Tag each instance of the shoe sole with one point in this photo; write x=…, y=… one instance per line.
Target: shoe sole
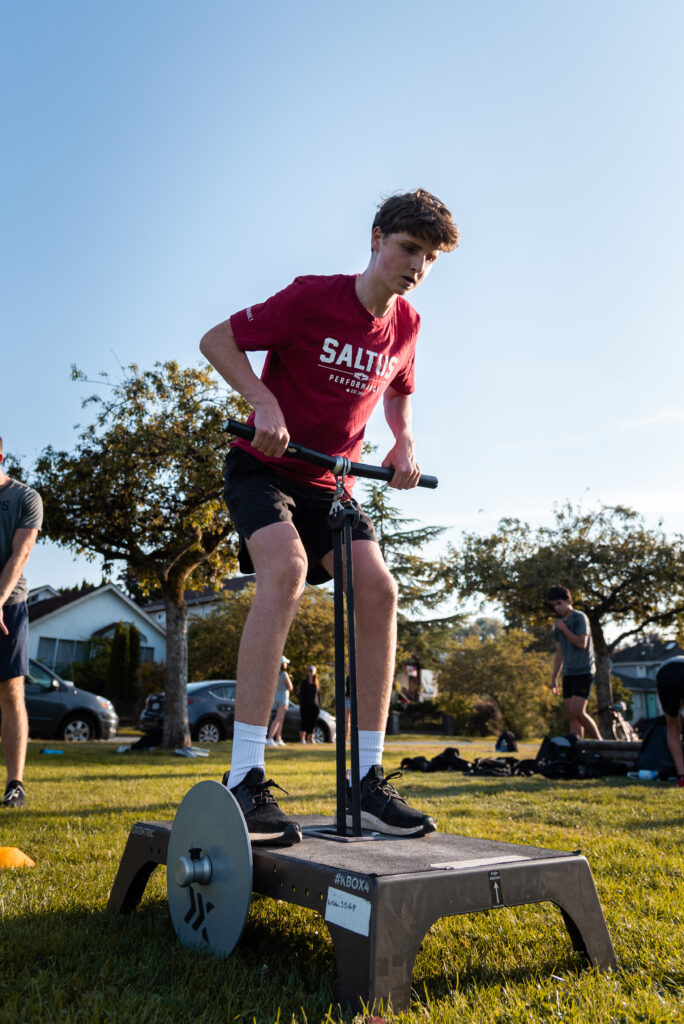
x=370, y=821
x=289, y=837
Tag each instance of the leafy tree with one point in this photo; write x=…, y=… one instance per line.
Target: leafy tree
x=503, y=670
x=421, y=586
x=119, y=661
x=12, y=466
x=618, y=571
x=151, y=679
x=486, y=627
x=401, y=543
x=143, y=487
x=124, y=661
x=214, y=639
x=81, y=588
x=311, y=641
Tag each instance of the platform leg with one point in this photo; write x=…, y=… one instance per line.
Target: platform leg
x=145, y=849
x=371, y=973
x=586, y=924
x=377, y=969
x=353, y=961
x=574, y=933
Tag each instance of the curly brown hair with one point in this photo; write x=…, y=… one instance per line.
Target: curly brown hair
x=558, y=593
x=420, y=214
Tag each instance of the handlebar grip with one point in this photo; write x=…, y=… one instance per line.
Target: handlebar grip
x=243, y=430
x=331, y=462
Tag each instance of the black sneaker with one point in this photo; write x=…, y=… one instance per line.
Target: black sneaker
x=383, y=810
x=266, y=823
x=15, y=794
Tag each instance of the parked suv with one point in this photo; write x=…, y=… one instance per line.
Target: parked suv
x=58, y=710
x=211, y=714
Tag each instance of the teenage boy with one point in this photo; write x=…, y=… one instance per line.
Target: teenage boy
x=670, y=681
x=336, y=346
x=21, y=517
x=575, y=655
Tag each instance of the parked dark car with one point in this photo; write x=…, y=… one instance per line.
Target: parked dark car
x=211, y=714
x=59, y=710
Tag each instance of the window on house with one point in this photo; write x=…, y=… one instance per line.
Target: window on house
x=146, y=654
x=60, y=654
x=64, y=656
x=46, y=650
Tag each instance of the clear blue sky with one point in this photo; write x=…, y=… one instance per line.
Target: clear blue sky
x=169, y=162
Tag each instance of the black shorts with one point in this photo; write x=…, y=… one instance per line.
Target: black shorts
x=577, y=686
x=14, y=659
x=671, y=687
x=257, y=497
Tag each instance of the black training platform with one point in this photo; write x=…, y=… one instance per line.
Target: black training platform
x=378, y=898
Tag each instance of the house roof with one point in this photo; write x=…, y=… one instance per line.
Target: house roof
x=645, y=683
x=52, y=604
x=42, y=609
x=650, y=651
x=45, y=591
x=205, y=596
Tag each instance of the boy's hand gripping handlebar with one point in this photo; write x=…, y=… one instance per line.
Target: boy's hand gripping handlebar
x=337, y=464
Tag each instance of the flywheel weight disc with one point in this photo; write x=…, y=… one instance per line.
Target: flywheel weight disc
x=209, y=870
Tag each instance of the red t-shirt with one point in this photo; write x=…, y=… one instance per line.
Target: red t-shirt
x=329, y=362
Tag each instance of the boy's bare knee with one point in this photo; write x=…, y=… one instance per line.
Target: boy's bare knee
x=285, y=577
x=379, y=592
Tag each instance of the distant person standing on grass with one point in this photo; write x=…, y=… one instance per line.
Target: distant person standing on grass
x=309, y=704
x=21, y=517
x=670, y=680
x=284, y=688
x=575, y=655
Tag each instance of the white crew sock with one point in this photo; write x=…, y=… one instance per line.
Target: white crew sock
x=371, y=745
x=248, y=751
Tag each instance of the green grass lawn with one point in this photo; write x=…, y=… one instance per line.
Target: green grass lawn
x=64, y=957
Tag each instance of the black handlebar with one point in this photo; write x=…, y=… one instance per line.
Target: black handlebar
x=335, y=463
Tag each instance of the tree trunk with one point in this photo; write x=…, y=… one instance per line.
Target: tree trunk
x=604, y=687
x=176, y=731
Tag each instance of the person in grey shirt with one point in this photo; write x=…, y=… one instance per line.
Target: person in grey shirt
x=21, y=517
x=575, y=655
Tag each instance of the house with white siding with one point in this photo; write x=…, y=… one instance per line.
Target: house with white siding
x=637, y=666
x=199, y=602
x=61, y=625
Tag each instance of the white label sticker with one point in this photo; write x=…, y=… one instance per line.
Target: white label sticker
x=454, y=865
x=348, y=911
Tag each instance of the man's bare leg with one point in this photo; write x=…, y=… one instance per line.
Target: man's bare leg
x=375, y=607
x=280, y=565
x=275, y=731
x=580, y=721
x=14, y=726
x=574, y=727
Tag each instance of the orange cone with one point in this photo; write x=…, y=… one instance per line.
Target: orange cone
x=12, y=857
